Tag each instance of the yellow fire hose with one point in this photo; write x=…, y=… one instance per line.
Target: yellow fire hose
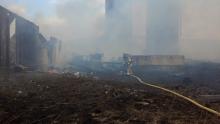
x=179, y=95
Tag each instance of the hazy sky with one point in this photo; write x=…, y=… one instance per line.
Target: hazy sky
x=30, y=8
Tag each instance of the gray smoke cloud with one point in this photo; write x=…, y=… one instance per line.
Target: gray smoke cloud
x=200, y=37
x=81, y=25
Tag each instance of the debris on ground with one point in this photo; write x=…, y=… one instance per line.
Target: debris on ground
x=64, y=99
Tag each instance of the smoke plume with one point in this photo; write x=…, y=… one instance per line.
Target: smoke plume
x=82, y=26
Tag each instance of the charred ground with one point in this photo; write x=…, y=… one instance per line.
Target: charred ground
x=49, y=98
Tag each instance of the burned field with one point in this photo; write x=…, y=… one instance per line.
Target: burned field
x=44, y=98
x=57, y=67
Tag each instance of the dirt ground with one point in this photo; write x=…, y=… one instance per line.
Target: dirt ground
x=66, y=99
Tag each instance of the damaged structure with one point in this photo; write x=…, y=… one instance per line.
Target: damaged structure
x=156, y=65
x=21, y=43
x=155, y=60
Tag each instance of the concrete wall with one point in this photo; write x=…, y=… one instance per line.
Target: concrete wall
x=21, y=42
x=163, y=60
x=26, y=39
x=6, y=19
x=155, y=60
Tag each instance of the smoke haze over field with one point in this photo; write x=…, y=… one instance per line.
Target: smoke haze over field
x=200, y=29
x=80, y=24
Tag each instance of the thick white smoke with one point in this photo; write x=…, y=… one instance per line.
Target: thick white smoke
x=200, y=30
x=80, y=24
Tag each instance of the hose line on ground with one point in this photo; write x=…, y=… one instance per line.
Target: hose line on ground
x=179, y=95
